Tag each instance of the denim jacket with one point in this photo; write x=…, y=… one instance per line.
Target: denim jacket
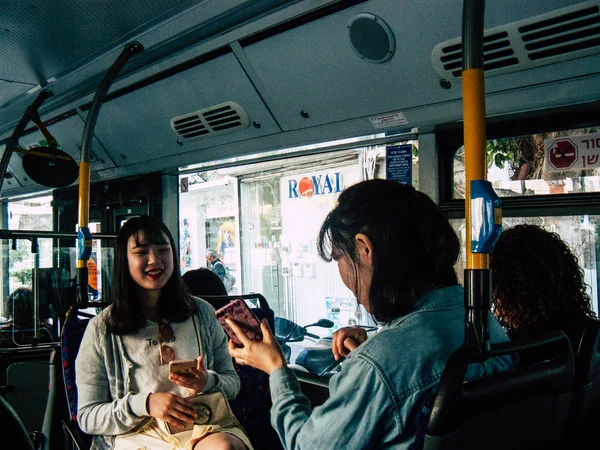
x=376, y=398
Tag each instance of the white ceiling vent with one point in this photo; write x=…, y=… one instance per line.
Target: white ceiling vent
x=217, y=119
x=560, y=35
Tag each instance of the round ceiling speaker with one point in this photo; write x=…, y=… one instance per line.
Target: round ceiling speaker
x=371, y=38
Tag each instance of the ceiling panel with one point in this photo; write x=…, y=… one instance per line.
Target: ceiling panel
x=137, y=127
x=48, y=38
x=314, y=68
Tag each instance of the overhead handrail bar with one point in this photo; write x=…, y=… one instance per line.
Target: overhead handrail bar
x=29, y=234
x=84, y=236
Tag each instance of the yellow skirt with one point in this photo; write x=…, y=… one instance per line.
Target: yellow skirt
x=158, y=437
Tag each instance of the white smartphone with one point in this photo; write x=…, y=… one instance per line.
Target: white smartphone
x=182, y=366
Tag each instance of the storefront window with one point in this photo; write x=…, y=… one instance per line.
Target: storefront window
x=277, y=208
x=208, y=221
x=561, y=162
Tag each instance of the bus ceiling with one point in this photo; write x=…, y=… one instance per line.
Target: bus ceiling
x=220, y=79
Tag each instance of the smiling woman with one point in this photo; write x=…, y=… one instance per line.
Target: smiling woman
x=153, y=320
x=150, y=260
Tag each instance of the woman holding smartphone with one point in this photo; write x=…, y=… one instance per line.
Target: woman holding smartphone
x=127, y=398
x=396, y=251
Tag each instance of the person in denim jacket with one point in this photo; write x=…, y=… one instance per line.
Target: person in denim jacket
x=395, y=251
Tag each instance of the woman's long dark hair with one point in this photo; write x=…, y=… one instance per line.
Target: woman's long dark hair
x=536, y=280
x=175, y=304
x=414, y=246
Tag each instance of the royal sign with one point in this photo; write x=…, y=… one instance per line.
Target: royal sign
x=321, y=184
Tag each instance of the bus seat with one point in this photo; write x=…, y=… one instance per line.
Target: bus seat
x=71, y=335
x=252, y=406
x=586, y=393
x=524, y=408
x=13, y=429
x=27, y=388
x=56, y=406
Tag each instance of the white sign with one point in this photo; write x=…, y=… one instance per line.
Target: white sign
x=573, y=153
x=388, y=120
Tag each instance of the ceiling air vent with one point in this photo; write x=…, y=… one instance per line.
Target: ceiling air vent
x=560, y=35
x=217, y=119
x=497, y=53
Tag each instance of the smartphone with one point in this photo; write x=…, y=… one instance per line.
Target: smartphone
x=182, y=366
x=240, y=313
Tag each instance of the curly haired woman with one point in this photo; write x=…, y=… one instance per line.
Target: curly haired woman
x=537, y=282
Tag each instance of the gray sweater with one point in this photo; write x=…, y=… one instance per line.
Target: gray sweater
x=111, y=392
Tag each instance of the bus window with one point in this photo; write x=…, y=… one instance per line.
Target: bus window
x=28, y=258
x=30, y=214
x=549, y=178
x=273, y=211
x=562, y=162
x=581, y=232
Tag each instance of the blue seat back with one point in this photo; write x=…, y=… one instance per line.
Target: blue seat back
x=71, y=335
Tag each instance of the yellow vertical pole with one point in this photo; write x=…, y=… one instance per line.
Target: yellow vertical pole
x=475, y=154
x=477, y=273
x=84, y=203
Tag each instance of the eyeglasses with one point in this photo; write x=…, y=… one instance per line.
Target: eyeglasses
x=166, y=334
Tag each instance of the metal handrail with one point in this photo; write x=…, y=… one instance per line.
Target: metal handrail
x=29, y=234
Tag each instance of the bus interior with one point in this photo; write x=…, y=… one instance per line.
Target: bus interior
x=239, y=122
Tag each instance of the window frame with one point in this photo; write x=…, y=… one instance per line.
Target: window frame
x=450, y=137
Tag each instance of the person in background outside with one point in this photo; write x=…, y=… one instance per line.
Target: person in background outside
x=126, y=397
x=396, y=251
x=216, y=265
x=537, y=283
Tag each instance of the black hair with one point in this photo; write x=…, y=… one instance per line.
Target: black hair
x=175, y=304
x=204, y=281
x=414, y=246
x=20, y=308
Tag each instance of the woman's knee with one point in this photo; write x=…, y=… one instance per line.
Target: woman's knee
x=220, y=441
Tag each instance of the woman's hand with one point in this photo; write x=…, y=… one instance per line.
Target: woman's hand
x=175, y=410
x=194, y=380
x=347, y=339
x=265, y=355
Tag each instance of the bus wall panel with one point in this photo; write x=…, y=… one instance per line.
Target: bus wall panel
x=136, y=127
x=314, y=67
